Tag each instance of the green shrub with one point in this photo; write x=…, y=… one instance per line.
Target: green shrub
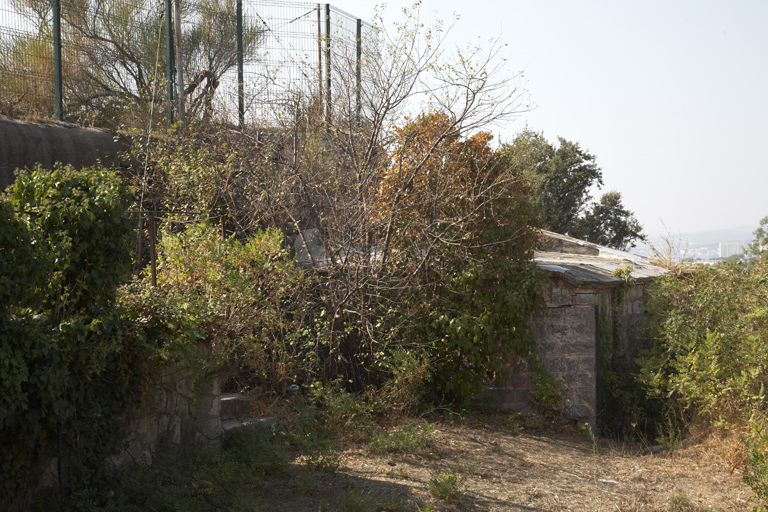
x=63, y=360
x=238, y=296
x=447, y=487
x=259, y=449
x=406, y=439
x=209, y=482
x=709, y=355
x=709, y=330
x=546, y=396
x=756, y=473
x=478, y=320
x=344, y=413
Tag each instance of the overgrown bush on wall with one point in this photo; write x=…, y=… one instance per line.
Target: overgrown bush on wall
x=238, y=297
x=64, y=251
x=477, y=321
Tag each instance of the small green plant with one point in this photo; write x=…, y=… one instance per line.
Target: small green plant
x=468, y=467
x=670, y=434
x=307, y=483
x=682, y=503
x=756, y=474
x=356, y=501
x=407, y=438
x=323, y=460
x=624, y=273
x=514, y=427
x=546, y=394
x=447, y=487
x=344, y=413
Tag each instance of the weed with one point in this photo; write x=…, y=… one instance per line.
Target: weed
x=682, y=503
x=355, y=501
x=468, y=467
x=597, y=497
x=756, y=474
x=407, y=438
x=323, y=460
x=344, y=413
x=546, y=394
x=447, y=487
x=307, y=483
x=670, y=434
x=399, y=472
x=514, y=427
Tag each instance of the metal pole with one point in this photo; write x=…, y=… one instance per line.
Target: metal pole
x=359, y=57
x=177, y=59
x=328, y=64
x=57, y=59
x=240, y=78
x=169, y=59
x=320, y=55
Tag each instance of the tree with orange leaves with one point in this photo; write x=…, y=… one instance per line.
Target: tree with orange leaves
x=450, y=198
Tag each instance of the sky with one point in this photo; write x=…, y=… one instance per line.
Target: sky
x=670, y=96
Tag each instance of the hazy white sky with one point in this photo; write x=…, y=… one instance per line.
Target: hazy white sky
x=670, y=96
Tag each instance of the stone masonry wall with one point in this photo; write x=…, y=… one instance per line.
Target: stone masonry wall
x=565, y=335
x=180, y=414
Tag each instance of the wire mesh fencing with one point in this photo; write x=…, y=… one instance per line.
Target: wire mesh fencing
x=130, y=63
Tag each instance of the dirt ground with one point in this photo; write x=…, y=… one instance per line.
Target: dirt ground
x=506, y=464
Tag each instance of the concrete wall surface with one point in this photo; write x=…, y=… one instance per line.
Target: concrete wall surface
x=22, y=145
x=566, y=333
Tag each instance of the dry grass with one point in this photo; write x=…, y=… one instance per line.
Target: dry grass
x=673, y=254
x=544, y=468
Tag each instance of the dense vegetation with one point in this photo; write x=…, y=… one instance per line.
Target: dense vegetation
x=420, y=276
x=708, y=361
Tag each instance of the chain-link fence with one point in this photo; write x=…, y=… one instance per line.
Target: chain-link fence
x=134, y=62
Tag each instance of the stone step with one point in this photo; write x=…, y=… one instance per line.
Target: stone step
x=232, y=424
x=234, y=406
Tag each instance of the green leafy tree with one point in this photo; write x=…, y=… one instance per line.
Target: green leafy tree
x=759, y=246
x=561, y=178
x=65, y=249
x=607, y=222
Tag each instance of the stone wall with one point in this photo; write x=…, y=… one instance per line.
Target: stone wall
x=180, y=413
x=565, y=332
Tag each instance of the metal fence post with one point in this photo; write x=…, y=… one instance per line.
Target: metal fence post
x=359, y=56
x=328, y=64
x=57, y=59
x=319, y=56
x=177, y=60
x=169, y=59
x=240, y=78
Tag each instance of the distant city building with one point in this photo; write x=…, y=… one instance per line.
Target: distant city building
x=728, y=249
